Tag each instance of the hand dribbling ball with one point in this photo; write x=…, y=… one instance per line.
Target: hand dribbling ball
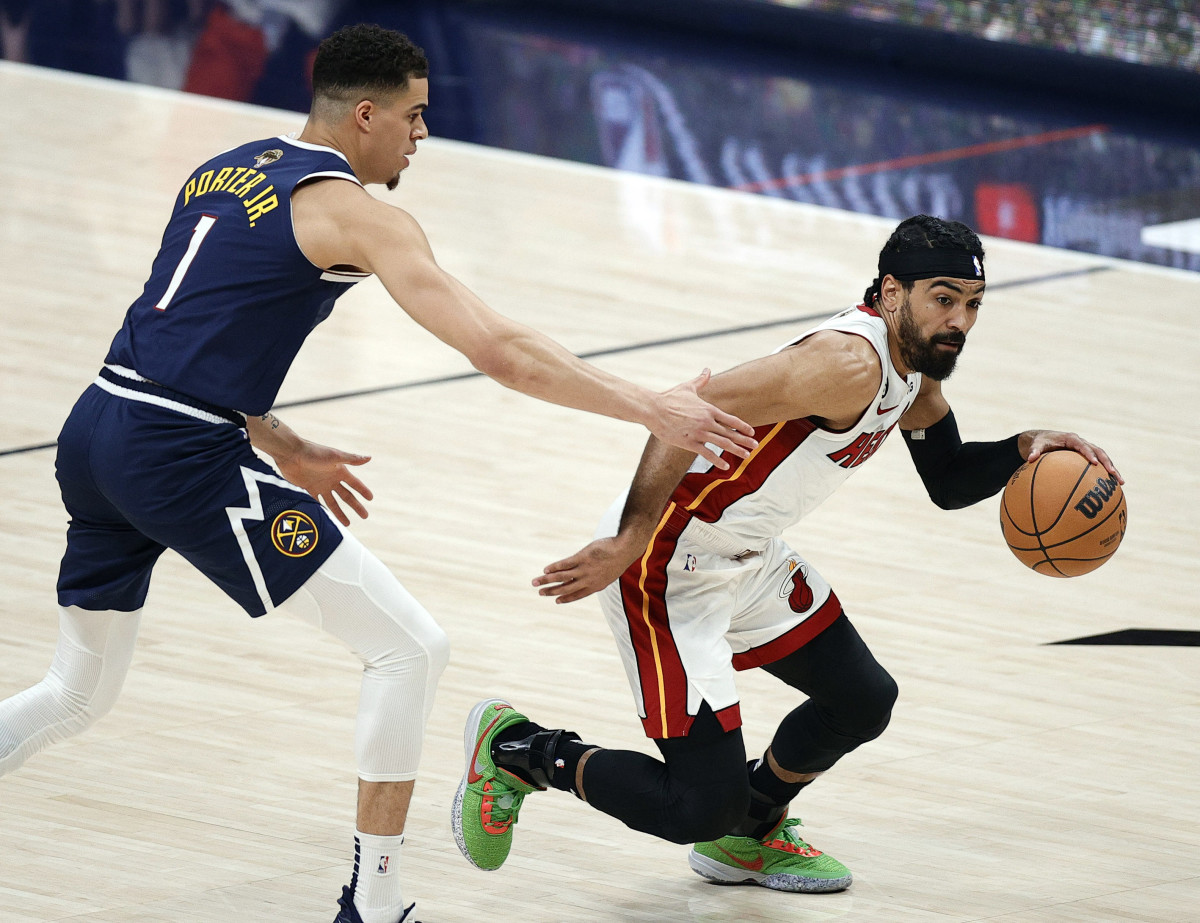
x=1062, y=516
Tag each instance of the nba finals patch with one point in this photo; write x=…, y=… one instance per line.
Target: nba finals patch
x=294, y=534
x=267, y=157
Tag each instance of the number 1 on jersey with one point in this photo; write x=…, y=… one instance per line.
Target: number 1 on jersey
x=203, y=226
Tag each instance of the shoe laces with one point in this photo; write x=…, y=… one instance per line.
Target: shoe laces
x=501, y=805
x=786, y=838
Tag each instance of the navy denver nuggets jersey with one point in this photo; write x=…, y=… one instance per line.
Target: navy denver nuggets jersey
x=231, y=297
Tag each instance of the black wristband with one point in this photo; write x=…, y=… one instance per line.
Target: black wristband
x=955, y=473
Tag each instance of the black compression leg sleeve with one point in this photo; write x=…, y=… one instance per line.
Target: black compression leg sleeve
x=850, y=699
x=698, y=792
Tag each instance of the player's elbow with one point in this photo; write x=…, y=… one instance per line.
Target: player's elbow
x=513, y=359
x=946, y=498
x=496, y=362
x=950, y=503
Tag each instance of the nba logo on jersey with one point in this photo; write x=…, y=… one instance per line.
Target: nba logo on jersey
x=383, y=864
x=689, y=563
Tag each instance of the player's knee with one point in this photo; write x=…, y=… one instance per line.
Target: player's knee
x=868, y=715
x=881, y=700
x=70, y=709
x=84, y=682
x=415, y=639
x=437, y=651
x=425, y=652
x=79, y=711
x=707, y=813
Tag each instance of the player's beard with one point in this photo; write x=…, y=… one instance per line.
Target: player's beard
x=922, y=355
x=393, y=182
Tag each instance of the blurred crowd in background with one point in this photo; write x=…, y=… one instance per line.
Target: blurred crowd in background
x=195, y=44
x=1158, y=32
x=815, y=138
x=220, y=48
x=559, y=87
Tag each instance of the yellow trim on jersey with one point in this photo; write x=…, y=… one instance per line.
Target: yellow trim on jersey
x=671, y=507
x=662, y=683
x=740, y=469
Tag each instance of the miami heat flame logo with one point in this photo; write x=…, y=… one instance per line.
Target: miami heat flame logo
x=795, y=588
x=294, y=533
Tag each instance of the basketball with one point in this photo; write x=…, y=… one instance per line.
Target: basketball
x=1061, y=516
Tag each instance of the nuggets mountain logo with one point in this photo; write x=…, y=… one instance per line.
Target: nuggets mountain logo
x=293, y=533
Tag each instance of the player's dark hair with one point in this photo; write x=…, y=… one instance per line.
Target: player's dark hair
x=366, y=58
x=924, y=232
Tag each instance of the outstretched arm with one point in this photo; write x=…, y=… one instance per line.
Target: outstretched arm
x=958, y=474
x=829, y=376
x=599, y=563
x=338, y=223
x=316, y=468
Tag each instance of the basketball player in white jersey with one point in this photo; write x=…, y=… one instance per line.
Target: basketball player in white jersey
x=697, y=584
x=157, y=452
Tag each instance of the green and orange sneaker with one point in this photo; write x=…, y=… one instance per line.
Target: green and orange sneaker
x=780, y=860
x=489, y=798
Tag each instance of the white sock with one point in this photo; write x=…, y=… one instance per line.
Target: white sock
x=377, y=895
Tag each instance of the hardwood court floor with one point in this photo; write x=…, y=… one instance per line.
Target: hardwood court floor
x=1019, y=781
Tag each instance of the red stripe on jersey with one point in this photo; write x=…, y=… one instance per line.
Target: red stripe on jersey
x=868, y=310
x=660, y=670
x=730, y=717
x=792, y=641
x=707, y=494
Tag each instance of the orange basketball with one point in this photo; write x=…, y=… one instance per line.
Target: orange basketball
x=1061, y=516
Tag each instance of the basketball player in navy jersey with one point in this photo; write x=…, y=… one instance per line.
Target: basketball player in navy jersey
x=157, y=453
x=697, y=584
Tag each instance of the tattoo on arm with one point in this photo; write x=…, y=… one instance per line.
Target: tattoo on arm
x=269, y=417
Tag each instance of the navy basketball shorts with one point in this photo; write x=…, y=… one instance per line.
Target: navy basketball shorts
x=140, y=473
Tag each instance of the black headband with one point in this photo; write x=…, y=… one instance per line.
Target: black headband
x=928, y=263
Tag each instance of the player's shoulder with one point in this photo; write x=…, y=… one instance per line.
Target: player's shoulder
x=260, y=152
x=844, y=346
x=861, y=320
x=347, y=203
x=338, y=222
x=836, y=356
x=847, y=325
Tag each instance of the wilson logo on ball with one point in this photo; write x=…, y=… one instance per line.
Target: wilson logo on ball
x=1091, y=503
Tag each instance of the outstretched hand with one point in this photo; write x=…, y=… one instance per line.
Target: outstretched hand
x=1037, y=443
x=589, y=570
x=686, y=420
x=323, y=472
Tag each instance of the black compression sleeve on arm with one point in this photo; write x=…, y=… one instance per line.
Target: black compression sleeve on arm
x=955, y=473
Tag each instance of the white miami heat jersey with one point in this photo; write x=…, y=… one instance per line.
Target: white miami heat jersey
x=798, y=463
